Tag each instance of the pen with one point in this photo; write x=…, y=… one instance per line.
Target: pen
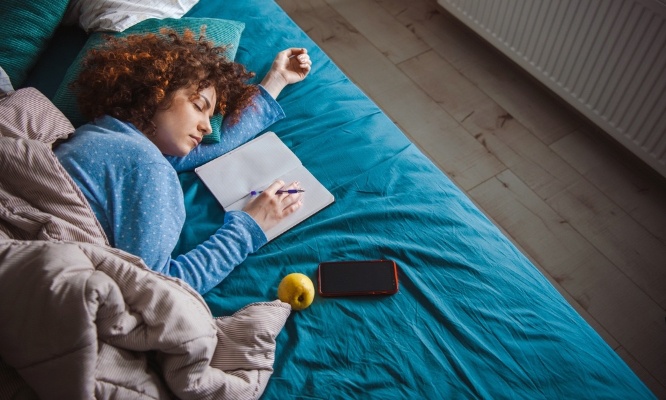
x=290, y=191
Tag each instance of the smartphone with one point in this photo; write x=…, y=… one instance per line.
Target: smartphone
x=358, y=278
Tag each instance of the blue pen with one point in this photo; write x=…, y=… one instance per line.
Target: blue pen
x=290, y=191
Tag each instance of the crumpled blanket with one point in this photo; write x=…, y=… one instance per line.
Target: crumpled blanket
x=83, y=320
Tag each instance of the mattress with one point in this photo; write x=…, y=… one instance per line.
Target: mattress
x=473, y=318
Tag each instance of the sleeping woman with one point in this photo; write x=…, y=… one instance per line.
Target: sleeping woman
x=150, y=98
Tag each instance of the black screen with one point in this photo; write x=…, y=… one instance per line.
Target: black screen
x=357, y=277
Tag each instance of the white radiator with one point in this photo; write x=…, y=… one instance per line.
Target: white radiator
x=607, y=58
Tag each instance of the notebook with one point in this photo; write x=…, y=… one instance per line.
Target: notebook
x=255, y=165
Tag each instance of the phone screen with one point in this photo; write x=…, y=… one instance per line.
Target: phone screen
x=353, y=278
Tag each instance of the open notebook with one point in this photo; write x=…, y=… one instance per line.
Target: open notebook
x=254, y=166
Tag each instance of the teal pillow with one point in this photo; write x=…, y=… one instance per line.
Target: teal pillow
x=220, y=31
x=25, y=31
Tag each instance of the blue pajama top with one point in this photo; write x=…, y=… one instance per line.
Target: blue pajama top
x=135, y=193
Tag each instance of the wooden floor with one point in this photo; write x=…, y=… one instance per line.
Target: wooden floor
x=586, y=212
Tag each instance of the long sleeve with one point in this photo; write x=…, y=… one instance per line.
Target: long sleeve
x=262, y=113
x=210, y=262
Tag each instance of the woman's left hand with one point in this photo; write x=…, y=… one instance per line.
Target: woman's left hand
x=290, y=66
x=293, y=64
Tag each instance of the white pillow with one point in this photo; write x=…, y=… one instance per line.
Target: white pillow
x=118, y=15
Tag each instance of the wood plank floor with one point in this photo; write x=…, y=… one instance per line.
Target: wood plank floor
x=585, y=211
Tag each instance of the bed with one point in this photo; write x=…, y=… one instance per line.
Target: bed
x=473, y=317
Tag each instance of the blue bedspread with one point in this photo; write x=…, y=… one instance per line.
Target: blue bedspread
x=473, y=317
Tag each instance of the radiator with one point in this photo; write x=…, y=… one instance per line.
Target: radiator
x=607, y=58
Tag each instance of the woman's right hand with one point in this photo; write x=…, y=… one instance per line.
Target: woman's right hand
x=270, y=207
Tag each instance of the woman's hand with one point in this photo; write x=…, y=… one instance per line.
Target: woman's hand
x=290, y=66
x=270, y=207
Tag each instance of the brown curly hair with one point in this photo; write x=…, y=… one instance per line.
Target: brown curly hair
x=131, y=77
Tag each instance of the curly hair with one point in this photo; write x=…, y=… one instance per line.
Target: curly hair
x=131, y=77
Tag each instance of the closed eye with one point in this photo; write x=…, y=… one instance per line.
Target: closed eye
x=206, y=106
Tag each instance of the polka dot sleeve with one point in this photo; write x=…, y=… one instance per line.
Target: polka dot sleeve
x=209, y=263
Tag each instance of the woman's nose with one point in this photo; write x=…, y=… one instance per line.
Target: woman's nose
x=205, y=127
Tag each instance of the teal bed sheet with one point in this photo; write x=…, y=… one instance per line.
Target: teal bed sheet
x=473, y=317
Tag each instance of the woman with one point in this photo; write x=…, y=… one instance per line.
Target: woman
x=150, y=98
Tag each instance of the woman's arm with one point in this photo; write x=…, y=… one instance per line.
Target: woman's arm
x=209, y=263
x=290, y=66
x=241, y=234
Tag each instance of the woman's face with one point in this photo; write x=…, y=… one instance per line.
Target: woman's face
x=180, y=128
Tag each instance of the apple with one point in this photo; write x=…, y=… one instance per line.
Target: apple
x=297, y=290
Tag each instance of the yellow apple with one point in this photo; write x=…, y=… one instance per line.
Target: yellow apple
x=297, y=290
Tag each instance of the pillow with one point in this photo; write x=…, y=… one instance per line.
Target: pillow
x=26, y=28
x=118, y=15
x=220, y=31
x=28, y=114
